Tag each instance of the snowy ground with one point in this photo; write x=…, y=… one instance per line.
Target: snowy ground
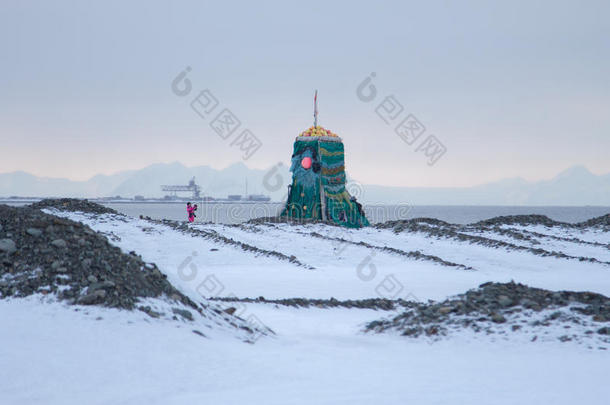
x=59, y=355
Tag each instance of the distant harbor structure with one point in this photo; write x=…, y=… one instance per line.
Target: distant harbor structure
x=251, y=197
x=195, y=190
x=192, y=187
x=258, y=197
x=248, y=197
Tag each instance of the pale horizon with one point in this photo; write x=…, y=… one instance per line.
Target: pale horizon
x=514, y=90
x=87, y=178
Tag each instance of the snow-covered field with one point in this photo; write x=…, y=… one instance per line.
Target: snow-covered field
x=54, y=354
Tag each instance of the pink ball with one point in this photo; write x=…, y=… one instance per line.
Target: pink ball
x=306, y=162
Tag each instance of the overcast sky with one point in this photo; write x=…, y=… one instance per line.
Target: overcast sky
x=518, y=89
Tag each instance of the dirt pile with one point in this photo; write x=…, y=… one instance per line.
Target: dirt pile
x=508, y=304
x=74, y=204
x=41, y=253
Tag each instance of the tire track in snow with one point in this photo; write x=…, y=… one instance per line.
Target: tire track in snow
x=218, y=238
x=417, y=255
x=524, y=235
x=448, y=232
x=529, y=239
x=414, y=254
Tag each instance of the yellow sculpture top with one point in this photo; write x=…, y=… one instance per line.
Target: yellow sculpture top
x=318, y=131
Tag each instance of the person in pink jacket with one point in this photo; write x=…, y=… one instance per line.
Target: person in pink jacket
x=191, y=211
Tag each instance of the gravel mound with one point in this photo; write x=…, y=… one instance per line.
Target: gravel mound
x=410, y=223
x=369, y=303
x=520, y=220
x=41, y=253
x=603, y=222
x=74, y=204
x=418, y=225
x=500, y=304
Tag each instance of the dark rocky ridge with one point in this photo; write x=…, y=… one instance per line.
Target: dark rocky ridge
x=41, y=253
x=73, y=204
x=368, y=303
x=493, y=303
x=603, y=222
x=524, y=220
x=520, y=220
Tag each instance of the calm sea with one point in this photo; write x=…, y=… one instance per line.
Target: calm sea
x=237, y=212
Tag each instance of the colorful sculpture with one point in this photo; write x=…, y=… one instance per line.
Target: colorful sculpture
x=317, y=191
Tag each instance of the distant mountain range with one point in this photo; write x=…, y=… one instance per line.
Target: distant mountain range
x=574, y=186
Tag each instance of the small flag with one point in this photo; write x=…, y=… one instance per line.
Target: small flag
x=315, y=109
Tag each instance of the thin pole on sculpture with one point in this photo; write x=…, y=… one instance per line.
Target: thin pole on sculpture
x=320, y=185
x=315, y=109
